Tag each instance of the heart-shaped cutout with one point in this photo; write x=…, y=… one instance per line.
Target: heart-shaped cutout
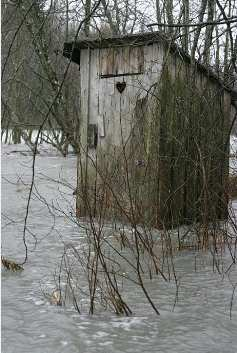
x=120, y=86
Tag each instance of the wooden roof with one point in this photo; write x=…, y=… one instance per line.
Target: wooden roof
x=72, y=50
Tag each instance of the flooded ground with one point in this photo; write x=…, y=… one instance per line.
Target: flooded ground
x=200, y=321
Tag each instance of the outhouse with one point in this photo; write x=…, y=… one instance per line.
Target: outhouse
x=154, y=128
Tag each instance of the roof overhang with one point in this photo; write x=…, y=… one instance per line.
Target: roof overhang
x=71, y=52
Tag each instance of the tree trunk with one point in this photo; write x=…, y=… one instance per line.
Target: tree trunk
x=198, y=30
x=209, y=33
x=185, y=31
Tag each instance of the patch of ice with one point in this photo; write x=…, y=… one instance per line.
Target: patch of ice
x=42, y=336
x=64, y=343
x=39, y=302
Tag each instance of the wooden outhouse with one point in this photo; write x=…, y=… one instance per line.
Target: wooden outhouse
x=153, y=131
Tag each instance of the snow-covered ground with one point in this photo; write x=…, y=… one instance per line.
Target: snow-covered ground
x=45, y=149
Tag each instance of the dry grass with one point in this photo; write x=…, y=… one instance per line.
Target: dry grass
x=11, y=265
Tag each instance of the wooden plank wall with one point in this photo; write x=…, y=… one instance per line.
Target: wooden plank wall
x=173, y=122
